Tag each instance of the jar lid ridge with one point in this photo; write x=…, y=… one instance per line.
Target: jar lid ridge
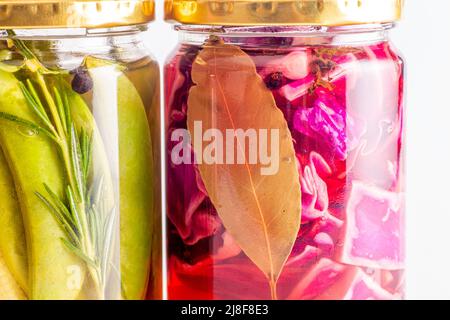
x=34, y=14
x=283, y=12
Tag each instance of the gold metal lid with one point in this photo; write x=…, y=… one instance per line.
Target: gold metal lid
x=283, y=12
x=32, y=14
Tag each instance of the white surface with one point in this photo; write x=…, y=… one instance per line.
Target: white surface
x=424, y=38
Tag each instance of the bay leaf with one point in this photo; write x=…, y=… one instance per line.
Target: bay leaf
x=261, y=212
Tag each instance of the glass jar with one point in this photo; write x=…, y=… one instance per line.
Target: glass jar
x=80, y=151
x=284, y=129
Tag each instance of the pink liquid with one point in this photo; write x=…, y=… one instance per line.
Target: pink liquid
x=347, y=135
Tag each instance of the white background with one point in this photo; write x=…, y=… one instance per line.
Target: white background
x=424, y=38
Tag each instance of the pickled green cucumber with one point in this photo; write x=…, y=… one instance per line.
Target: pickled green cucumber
x=136, y=190
x=12, y=235
x=136, y=181
x=9, y=289
x=54, y=272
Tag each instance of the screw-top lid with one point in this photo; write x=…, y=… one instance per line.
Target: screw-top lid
x=283, y=12
x=32, y=14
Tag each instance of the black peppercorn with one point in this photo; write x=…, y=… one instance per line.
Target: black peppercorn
x=82, y=82
x=275, y=80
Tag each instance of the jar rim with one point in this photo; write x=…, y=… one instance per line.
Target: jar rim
x=283, y=30
x=283, y=12
x=63, y=33
x=42, y=14
x=348, y=35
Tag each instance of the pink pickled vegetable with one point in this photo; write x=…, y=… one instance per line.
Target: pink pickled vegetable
x=318, y=283
x=344, y=108
x=328, y=122
x=198, y=220
x=365, y=288
x=300, y=87
x=329, y=280
x=374, y=229
x=294, y=65
x=314, y=190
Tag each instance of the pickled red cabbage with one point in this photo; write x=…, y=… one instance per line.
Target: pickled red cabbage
x=344, y=109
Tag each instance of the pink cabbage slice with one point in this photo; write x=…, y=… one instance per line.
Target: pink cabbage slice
x=329, y=280
x=365, y=288
x=314, y=189
x=294, y=65
x=309, y=255
x=318, y=282
x=327, y=121
x=189, y=208
x=229, y=249
x=374, y=232
x=297, y=89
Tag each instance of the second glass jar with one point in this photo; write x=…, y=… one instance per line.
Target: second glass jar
x=285, y=176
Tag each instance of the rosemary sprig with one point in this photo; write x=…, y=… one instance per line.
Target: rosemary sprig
x=87, y=223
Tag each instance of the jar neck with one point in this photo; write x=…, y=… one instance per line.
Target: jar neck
x=66, y=48
x=64, y=33
x=302, y=35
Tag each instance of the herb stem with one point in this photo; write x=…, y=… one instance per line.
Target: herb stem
x=59, y=128
x=80, y=205
x=52, y=105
